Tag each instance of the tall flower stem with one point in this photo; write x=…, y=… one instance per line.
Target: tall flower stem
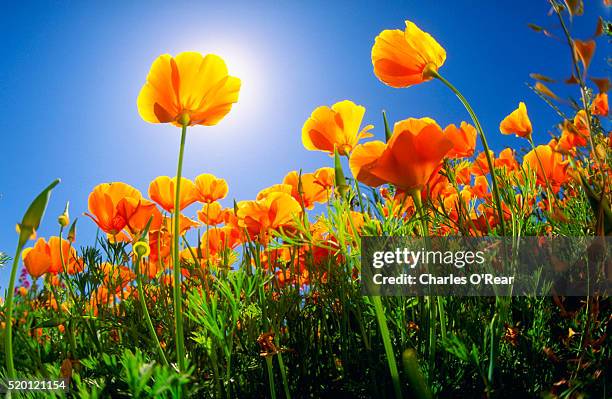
x=384, y=331
x=580, y=77
x=271, y=377
x=143, y=305
x=8, y=335
x=178, y=295
x=469, y=109
x=418, y=204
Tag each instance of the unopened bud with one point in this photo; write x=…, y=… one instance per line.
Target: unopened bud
x=141, y=249
x=64, y=218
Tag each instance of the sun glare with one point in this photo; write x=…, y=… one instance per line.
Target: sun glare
x=243, y=64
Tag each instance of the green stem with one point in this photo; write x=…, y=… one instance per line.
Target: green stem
x=580, y=77
x=478, y=126
x=178, y=295
x=271, y=377
x=384, y=331
x=418, y=204
x=143, y=305
x=72, y=294
x=281, y=365
x=8, y=335
x=59, y=306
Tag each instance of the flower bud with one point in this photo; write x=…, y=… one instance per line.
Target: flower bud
x=64, y=218
x=141, y=249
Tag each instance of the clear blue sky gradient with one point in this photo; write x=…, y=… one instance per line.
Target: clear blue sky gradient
x=71, y=71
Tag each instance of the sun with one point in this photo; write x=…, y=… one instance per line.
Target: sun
x=244, y=64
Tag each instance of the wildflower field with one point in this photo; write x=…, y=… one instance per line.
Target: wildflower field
x=181, y=296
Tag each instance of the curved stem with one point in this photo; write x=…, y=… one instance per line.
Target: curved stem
x=271, y=377
x=143, y=305
x=478, y=126
x=384, y=331
x=8, y=335
x=418, y=204
x=72, y=294
x=580, y=77
x=178, y=295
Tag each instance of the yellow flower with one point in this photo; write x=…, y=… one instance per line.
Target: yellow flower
x=517, y=122
x=189, y=89
x=335, y=127
x=404, y=58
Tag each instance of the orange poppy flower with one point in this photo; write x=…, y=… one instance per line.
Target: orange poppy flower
x=335, y=127
x=463, y=138
x=210, y=188
x=452, y=203
x=403, y=58
x=185, y=224
x=277, y=188
x=47, y=257
x=138, y=211
x=462, y=173
x=480, y=188
x=305, y=189
x=437, y=186
x=517, y=122
x=212, y=214
x=600, y=105
x=117, y=277
x=160, y=243
x=407, y=161
x=189, y=89
x=480, y=165
x=216, y=240
x=37, y=260
x=162, y=191
x=574, y=133
x=103, y=205
x=553, y=167
x=325, y=177
x=506, y=160
x=275, y=210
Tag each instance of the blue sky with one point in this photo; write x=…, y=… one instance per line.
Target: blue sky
x=71, y=72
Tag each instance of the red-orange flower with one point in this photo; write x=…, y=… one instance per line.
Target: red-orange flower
x=47, y=257
x=216, y=240
x=209, y=188
x=275, y=210
x=280, y=188
x=517, y=122
x=305, y=189
x=335, y=127
x=189, y=89
x=480, y=165
x=137, y=212
x=407, y=161
x=37, y=260
x=506, y=160
x=212, y=214
x=325, y=177
x=162, y=190
x=480, y=188
x=553, y=168
x=103, y=205
x=574, y=133
x=600, y=105
x=404, y=58
x=463, y=138
x=117, y=277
